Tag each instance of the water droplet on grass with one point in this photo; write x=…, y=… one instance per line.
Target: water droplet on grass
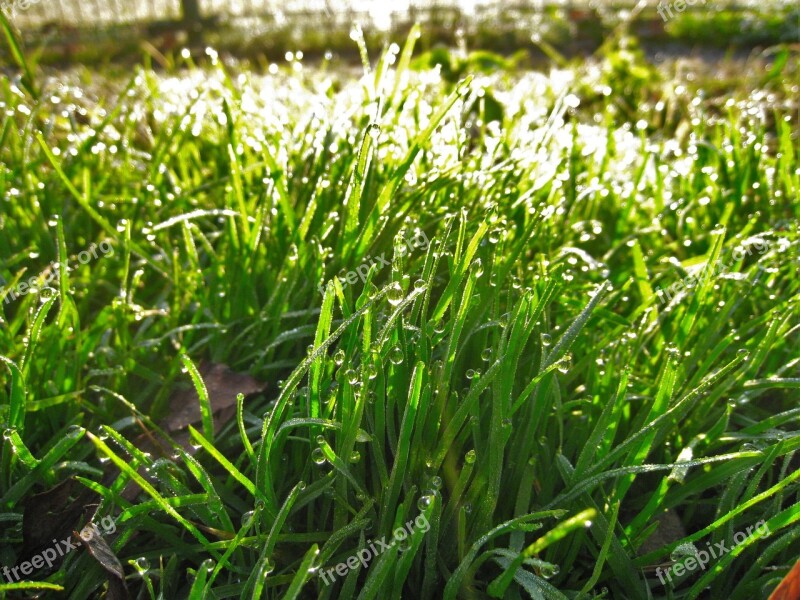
x=318, y=456
x=338, y=358
x=395, y=294
x=548, y=571
x=141, y=563
x=208, y=565
x=268, y=567
x=396, y=355
x=424, y=501
x=247, y=518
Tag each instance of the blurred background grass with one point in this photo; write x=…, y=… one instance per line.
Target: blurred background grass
x=100, y=30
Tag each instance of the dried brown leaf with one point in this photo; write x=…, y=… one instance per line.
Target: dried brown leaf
x=51, y=515
x=223, y=385
x=105, y=557
x=789, y=587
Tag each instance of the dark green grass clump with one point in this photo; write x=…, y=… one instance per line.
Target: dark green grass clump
x=460, y=295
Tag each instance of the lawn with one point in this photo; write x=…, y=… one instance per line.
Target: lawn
x=436, y=327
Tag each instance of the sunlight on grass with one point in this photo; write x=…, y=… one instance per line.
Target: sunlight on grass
x=516, y=381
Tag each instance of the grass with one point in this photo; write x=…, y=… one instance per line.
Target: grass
x=507, y=28
x=515, y=382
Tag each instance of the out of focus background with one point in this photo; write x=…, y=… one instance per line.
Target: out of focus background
x=108, y=29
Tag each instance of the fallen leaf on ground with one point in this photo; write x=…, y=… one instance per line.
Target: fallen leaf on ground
x=51, y=515
x=101, y=552
x=223, y=385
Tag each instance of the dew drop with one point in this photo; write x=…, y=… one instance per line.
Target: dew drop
x=141, y=564
x=424, y=501
x=395, y=294
x=338, y=358
x=396, y=355
x=371, y=371
x=318, y=456
x=565, y=363
x=268, y=567
x=208, y=565
x=351, y=375
x=548, y=571
x=247, y=518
